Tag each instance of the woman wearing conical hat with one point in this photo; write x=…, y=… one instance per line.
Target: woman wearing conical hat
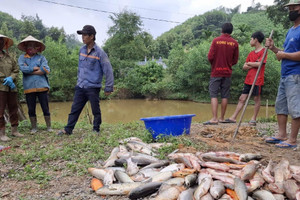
x=8, y=91
x=35, y=81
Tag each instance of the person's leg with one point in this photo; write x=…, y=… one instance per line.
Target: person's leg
x=214, y=85
x=13, y=113
x=239, y=107
x=31, y=105
x=3, y=102
x=93, y=96
x=44, y=102
x=256, y=107
x=78, y=104
x=225, y=94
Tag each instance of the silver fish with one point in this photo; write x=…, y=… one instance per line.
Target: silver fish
x=216, y=165
x=187, y=194
x=203, y=187
x=217, y=189
x=240, y=189
x=98, y=173
x=225, y=197
x=118, y=189
x=190, y=180
x=276, y=187
x=173, y=168
x=132, y=167
x=171, y=193
x=156, y=164
x=281, y=171
x=298, y=195
x=122, y=177
x=279, y=196
x=249, y=170
x=109, y=177
x=290, y=187
x=161, y=177
x=175, y=181
x=144, y=190
x=111, y=159
x=256, y=182
x=207, y=196
x=266, y=173
x=263, y=195
x=249, y=156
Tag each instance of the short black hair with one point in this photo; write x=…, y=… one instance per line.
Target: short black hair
x=259, y=36
x=227, y=28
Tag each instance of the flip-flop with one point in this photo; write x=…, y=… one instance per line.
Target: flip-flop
x=273, y=140
x=228, y=121
x=285, y=145
x=252, y=123
x=210, y=123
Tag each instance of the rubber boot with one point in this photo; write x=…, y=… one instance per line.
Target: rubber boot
x=33, y=124
x=48, y=123
x=15, y=132
x=3, y=137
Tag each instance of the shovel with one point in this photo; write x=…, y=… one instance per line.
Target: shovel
x=251, y=90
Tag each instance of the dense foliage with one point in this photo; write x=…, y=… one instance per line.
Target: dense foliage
x=183, y=49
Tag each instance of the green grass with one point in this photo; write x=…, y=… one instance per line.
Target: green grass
x=41, y=156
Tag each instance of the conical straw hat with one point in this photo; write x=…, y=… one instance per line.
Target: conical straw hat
x=7, y=41
x=21, y=45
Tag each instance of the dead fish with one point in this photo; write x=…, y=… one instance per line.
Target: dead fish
x=266, y=173
x=159, y=164
x=123, y=152
x=249, y=170
x=240, y=189
x=222, y=176
x=175, y=181
x=159, y=145
x=140, y=148
x=118, y=189
x=111, y=159
x=187, y=194
x=281, y=171
x=234, y=166
x=298, y=195
x=98, y=173
x=184, y=172
x=173, y=168
x=117, y=168
x=185, y=161
x=249, y=156
x=190, y=180
x=130, y=139
x=109, y=177
x=207, y=196
x=203, y=188
x=143, y=159
x=296, y=177
x=161, y=177
x=295, y=169
x=132, y=167
x=215, y=165
x=171, y=193
x=279, y=197
x=144, y=190
x=290, y=187
x=263, y=195
x=276, y=187
x=237, y=173
x=122, y=177
x=225, y=197
x=256, y=182
x=217, y=189
x=219, y=159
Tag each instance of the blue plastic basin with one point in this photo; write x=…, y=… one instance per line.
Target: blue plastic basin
x=173, y=125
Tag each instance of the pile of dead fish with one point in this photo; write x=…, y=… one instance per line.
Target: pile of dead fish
x=132, y=170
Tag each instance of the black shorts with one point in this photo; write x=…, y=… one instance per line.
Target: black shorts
x=257, y=90
x=219, y=84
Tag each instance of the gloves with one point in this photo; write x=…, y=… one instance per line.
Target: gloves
x=9, y=82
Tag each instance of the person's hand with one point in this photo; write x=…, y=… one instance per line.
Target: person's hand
x=280, y=55
x=107, y=93
x=36, y=68
x=9, y=82
x=246, y=67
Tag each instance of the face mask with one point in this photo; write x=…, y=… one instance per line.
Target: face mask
x=293, y=15
x=31, y=51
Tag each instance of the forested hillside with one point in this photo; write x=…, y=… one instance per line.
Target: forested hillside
x=184, y=50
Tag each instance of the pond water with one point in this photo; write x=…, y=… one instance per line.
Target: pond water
x=124, y=111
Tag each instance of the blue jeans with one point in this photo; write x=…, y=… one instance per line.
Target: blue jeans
x=288, y=97
x=82, y=95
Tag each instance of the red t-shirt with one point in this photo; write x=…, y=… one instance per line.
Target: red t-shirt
x=222, y=55
x=256, y=57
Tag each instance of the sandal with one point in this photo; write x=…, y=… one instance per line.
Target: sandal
x=252, y=123
x=273, y=140
x=62, y=132
x=285, y=145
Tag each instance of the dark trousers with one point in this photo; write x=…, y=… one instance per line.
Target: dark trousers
x=82, y=95
x=9, y=99
x=31, y=103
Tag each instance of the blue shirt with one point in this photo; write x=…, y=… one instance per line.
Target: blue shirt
x=32, y=82
x=291, y=45
x=92, y=67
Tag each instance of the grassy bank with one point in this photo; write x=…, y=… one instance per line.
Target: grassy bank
x=40, y=157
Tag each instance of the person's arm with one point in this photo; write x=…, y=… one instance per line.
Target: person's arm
x=211, y=53
x=235, y=55
x=44, y=66
x=108, y=72
x=15, y=69
x=23, y=65
x=289, y=56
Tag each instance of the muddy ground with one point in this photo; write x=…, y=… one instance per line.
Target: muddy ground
x=215, y=138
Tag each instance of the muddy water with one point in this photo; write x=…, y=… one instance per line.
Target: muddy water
x=123, y=111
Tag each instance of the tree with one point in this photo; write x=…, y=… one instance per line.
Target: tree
x=279, y=14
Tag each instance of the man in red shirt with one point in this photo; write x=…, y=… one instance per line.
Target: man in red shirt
x=252, y=63
x=223, y=54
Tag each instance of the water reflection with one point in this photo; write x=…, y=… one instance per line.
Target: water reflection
x=115, y=111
